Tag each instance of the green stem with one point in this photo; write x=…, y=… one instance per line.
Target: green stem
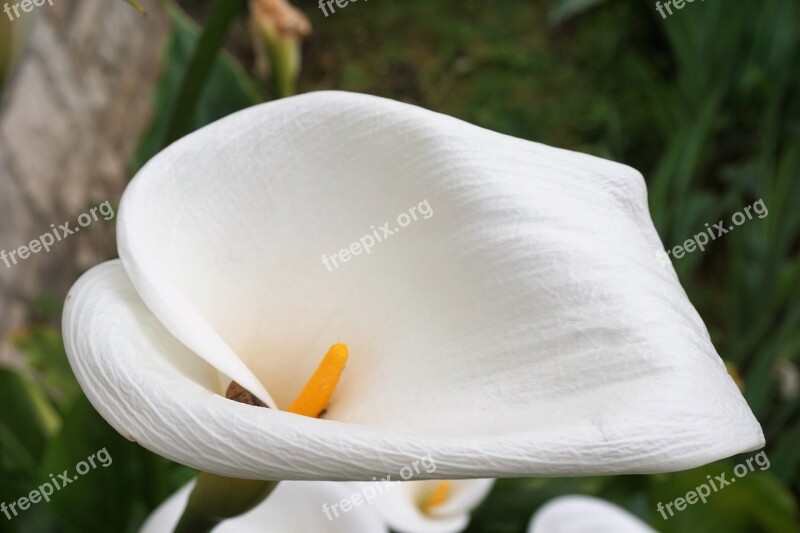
x=284, y=55
x=136, y=6
x=215, y=499
x=216, y=29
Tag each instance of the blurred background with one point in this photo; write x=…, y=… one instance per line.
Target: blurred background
x=705, y=103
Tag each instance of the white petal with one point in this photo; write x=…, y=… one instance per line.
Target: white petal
x=293, y=507
x=398, y=503
x=526, y=328
x=166, y=516
x=584, y=514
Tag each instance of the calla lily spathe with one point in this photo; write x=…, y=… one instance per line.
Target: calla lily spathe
x=584, y=514
x=403, y=505
x=304, y=506
x=293, y=507
x=526, y=329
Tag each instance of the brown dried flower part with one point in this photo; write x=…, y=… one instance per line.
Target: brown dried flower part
x=280, y=16
x=278, y=29
x=237, y=393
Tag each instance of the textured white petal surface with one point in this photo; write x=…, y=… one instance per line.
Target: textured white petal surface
x=399, y=504
x=584, y=514
x=525, y=328
x=293, y=507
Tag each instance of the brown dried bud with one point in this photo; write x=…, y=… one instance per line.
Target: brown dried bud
x=278, y=29
x=280, y=16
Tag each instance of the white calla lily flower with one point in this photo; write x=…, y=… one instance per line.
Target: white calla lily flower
x=426, y=506
x=293, y=507
x=525, y=329
x=585, y=514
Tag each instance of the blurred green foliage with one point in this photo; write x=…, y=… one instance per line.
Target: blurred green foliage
x=706, y=104
x=227, y=87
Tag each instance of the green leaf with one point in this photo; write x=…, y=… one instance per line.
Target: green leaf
x=23, y=438
x=23, y=427
x=43, y=347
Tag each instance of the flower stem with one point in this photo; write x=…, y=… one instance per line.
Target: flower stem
x=217, y=498
x=203, y=59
